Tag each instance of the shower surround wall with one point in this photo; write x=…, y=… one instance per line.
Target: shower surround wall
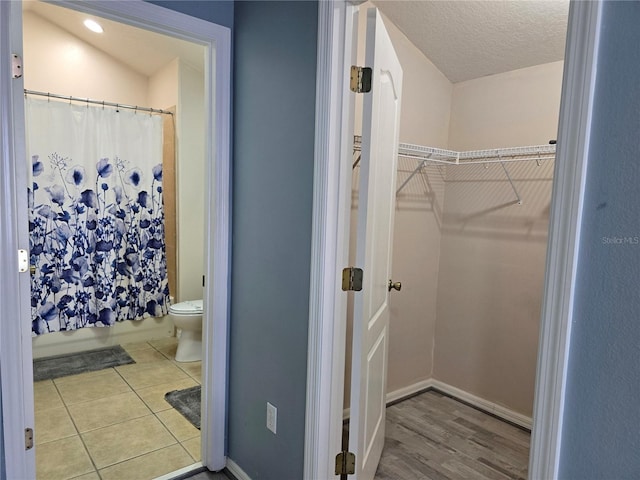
x=89, y=72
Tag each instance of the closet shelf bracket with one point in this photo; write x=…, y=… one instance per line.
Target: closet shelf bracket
x=418, y=168
x=506, y=172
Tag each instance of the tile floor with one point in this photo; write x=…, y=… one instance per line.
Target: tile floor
x=115, y=423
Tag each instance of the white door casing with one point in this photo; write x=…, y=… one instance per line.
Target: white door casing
x=15, y=328
x=376, y=206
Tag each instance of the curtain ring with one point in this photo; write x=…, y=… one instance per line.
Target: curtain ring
x=117, y=108
x=103, y=104
x=135, y=112
x=70, y=97
x=87, y=103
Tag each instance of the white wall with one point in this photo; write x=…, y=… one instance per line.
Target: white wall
x=493, y=251
x=178, y=83
x=191, y=182
x=510, y=109
x=163, y=86
x=57, y=62
x=424, y=120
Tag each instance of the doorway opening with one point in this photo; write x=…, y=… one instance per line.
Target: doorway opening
x=471, y=246
x=196, y=73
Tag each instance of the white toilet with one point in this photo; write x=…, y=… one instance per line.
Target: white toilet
x=187, y=316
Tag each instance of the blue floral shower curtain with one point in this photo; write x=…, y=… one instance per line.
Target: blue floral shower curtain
x=96, y=219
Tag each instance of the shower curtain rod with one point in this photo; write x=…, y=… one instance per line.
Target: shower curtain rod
x=97, y=102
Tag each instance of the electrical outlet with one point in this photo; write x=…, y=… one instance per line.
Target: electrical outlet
x=272, y=417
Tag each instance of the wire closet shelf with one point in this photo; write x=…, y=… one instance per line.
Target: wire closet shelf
x=438, y=156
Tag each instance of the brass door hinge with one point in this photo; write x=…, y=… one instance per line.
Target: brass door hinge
x=345, y=463
x=360, y=79
x=28, y=438
x=352, y=279
x=16, y=66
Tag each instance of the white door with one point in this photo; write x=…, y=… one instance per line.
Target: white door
x=376, y=205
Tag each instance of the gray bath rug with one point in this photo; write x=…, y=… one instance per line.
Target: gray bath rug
x=187, y=402
x=71, y=364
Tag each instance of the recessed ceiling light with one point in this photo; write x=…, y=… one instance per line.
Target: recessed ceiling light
x=93, y=26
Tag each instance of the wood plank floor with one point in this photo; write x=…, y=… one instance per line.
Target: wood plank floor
x=432, y=436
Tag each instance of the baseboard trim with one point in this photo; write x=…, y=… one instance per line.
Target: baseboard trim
x=184, y=472
x=503, y=413
x=408, y=392
x=499, y=411
x=399, y=395
x=236, y=471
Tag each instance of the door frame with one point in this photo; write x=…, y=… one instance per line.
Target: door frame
x=335, y=106
x=332, y=202
x=15, y=395
x=565, y=221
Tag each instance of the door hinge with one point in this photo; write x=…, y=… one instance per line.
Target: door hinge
x=28, y=438
x=23, y=260
x=352, y=279
x=360, y=79
x=16, y=66
x=345, y=463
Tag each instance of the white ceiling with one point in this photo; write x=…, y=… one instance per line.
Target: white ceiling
x=464, y=39
x=471, y=39
x=143, y=51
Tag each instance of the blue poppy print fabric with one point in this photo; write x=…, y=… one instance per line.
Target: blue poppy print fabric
x=96, y=218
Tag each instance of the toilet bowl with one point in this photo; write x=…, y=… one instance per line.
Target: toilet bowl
x=187, y=316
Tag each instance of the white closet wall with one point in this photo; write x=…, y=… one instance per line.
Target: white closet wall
x=493, y=250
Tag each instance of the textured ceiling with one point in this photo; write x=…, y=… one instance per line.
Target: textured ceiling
x=143, y=51
x=471, y=39
x=464, y=39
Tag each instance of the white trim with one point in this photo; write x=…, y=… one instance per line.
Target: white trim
x=235, y=469
x=15, y=330
x=405, y=392
x=485, y=405
x=498, y=410
x=564, y=235
x=217, y=40
x=180, y=471
x=330, y=242
x=399, y=394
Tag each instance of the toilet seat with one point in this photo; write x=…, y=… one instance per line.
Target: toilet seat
x=188, y=307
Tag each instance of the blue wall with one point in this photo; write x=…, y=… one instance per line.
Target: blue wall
x=218, y=11
x=601, y=434
x=274, y=129
x=273, y=137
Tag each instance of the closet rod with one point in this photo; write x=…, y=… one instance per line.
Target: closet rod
x=97, y=102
